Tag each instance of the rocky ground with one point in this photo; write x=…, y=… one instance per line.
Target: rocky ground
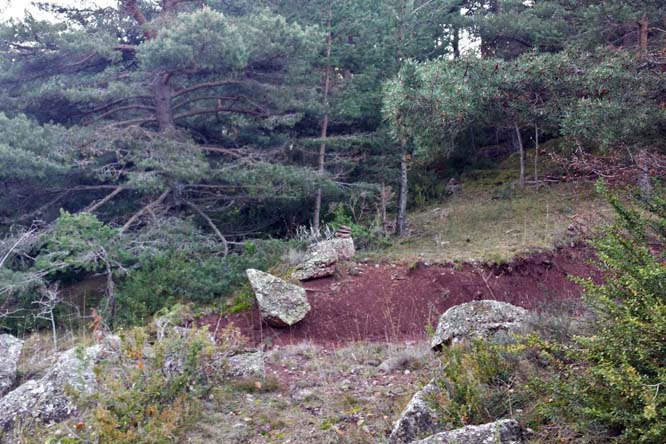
x=314, y=394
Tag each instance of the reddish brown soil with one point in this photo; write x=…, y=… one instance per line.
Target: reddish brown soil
x=391, y=302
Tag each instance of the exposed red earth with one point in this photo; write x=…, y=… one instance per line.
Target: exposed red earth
x=398, y=302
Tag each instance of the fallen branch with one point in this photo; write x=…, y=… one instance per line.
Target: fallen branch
x=148, y=207
x=211, y=224
x=114, y=193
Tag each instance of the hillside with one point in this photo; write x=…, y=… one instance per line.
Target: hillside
x=332, y=221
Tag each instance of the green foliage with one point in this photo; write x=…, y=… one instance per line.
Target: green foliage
x=173, y=277
x=478, y=383
x=364, y=237
x=623, y=362
x=148, y=389
x=77, y=242
x=30, y=152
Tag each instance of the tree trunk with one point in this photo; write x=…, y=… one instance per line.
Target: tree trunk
x=536, y=154
x=455, y=42
x=163, y=111
x=643, y=26
x=644, y=182
x=324, y=125
x=521, y=150
x=401, y=220
x=383, y=205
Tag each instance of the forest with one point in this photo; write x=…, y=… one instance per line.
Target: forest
x=152, y=151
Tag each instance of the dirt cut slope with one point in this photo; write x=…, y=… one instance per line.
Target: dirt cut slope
x=391, y=302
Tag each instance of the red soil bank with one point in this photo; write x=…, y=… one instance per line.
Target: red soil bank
x=390, y=302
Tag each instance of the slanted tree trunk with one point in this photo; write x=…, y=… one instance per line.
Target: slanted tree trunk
x=324, y=125
x=163, y=91
x=401, y=219
x=521, y=150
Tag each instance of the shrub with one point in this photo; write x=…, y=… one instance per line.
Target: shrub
x=617, y=383
x=363, y=236
x=482, y=384
x=172, y=277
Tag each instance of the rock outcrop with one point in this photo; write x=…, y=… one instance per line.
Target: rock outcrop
x=246, y=365
x=48, y=399
x=493, y=320
x=10, y=351
x=418, y=419
x=281, y=304
x=506, y=431
x=322, y=257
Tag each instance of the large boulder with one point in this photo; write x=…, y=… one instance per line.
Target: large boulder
x=10, y=351
x=49, y=399
x=281, y=304
x=505, y=431
x=493, y=320
x=322, y=257
x=417, y=419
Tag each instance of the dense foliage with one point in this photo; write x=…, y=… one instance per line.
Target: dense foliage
x=597, y=380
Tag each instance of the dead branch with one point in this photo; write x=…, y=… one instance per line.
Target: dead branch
x=11, y=249
x=211, y=224
x=201, y=111
x=95, y=206
x=38, y=210
x=148, y=207
x=120, y=108
x=207, y=85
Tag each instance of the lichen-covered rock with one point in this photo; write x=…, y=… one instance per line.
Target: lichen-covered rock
x=322, y=257
x=281, y=304
x=246, y=365
x=505, y=431
x=417, y=419
x=48, y=399
x=10, y=351
x=492, y=320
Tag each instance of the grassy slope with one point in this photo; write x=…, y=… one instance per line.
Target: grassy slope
x=491, y=220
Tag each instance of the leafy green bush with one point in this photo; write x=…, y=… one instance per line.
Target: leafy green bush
x=173, y=277
x=617, y=382
x=364, y=237
x=482, y=382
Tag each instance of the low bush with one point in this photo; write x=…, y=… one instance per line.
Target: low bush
x=173, y=277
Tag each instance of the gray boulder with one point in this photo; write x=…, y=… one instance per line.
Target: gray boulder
x=322, y=257
x=246, y=365
x=493, y=320
x=505, y=431
x=417, y=419
x=48, y=400
x=10, y=351
x=281, y=304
